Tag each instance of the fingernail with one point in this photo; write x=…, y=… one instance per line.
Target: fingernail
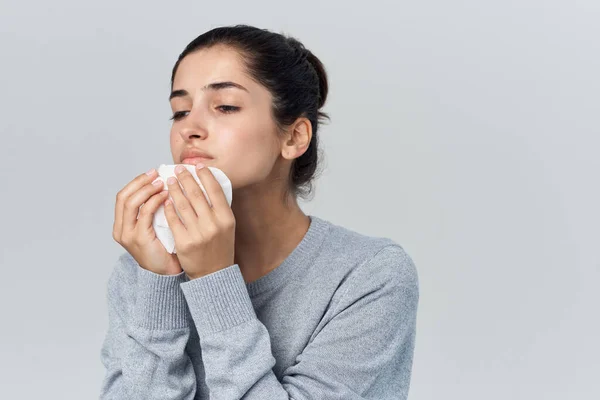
x=150, y=172
x=199, y=166
x=171, y=180
x=179, y=169
x=157, y=183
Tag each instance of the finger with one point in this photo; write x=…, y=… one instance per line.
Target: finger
x=124, y=194
x=215, y=191
x=149, y=209
x=181, y=203
x=194, y=194
x=175, y=224
x=135, y=201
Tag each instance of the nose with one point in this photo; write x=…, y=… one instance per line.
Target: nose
x=193, y=127
x=189, y=134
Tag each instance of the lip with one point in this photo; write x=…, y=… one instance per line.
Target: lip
x=189, y=156
x=195, y=160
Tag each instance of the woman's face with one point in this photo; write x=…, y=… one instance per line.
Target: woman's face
x=233, y=125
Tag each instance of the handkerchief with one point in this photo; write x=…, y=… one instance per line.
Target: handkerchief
x=159, y=222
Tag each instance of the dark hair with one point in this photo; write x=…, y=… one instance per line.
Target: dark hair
x=295, y=77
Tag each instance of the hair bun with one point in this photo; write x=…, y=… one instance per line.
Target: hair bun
x=321, y=73
x=306, y=55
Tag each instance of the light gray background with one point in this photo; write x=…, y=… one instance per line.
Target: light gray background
x=468, y=131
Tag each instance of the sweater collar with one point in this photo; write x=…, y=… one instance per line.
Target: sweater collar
x=304, y=253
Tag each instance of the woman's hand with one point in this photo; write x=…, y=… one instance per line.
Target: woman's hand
x=205, y=235
x=136, y=234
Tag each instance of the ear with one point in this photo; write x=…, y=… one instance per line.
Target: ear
x=297, y=140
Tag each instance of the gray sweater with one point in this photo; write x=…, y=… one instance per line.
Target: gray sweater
x=336, y=320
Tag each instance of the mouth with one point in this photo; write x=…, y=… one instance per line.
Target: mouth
x=195, y=160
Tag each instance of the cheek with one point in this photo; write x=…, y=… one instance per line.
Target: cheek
x=250, y=156
x=176, y=144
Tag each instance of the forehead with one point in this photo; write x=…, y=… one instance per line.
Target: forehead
x=208, y=65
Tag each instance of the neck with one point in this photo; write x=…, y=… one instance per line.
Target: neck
x=267, y=230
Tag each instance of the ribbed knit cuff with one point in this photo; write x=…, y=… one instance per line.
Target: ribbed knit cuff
x=219, y=300
x=160, y=303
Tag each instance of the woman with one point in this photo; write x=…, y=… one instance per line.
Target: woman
x=260, y=301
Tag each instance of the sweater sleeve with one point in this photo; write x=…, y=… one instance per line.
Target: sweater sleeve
x=366, y=342
x=144, y=348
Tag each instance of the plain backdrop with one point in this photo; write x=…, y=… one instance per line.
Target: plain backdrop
x=467, y=131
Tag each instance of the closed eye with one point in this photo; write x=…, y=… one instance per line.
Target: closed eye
x=178, y=115
x=228, y=109
x=224, y=109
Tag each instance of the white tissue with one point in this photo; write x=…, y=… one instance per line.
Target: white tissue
x=159, y=222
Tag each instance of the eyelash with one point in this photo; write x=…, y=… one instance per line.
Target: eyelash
x=230, y=109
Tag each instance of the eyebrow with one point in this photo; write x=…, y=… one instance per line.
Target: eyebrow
x=210, y=86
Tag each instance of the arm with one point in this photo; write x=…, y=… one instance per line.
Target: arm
x=144, y=348
x=364, y=351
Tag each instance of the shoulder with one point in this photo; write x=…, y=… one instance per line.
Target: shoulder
x=370, y=258
x=373, y=280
